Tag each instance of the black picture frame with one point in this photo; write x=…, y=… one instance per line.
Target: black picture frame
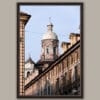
x=81, y=42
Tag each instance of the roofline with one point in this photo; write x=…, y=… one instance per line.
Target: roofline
x=25, y=15
x=68, y=43
x=75, y=34
x=28, y=60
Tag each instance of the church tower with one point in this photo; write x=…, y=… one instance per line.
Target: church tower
x=50, y=44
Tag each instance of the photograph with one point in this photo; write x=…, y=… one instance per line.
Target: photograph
x=49, y=50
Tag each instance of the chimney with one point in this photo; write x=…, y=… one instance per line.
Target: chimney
x=65, y=46
x=74, y=37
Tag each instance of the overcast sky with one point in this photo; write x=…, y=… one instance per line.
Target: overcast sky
x=66, y=19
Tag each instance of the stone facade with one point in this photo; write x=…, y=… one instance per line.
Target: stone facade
x=62, y=77
x=49, y=50
x=23, y=19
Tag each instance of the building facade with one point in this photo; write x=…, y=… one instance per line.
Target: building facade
x=31, y=71
x=22, y=21
x=53, y=74
x=62, y=77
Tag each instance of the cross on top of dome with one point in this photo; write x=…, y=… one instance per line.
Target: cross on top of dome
x=50, y=23
x=49, y=19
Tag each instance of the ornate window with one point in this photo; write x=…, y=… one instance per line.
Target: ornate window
x=28, y=73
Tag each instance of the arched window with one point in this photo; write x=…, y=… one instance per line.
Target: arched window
x=47, y=51
x=54, y=50
x=28, y=73
x=57, y=86
x=66, y=78
x=76, y=72
x=70, y=76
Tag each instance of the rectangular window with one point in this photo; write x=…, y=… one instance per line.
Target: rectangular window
x=47, y=51
x=68, y=60
x=76, y=73
x=70, y=76
x=54, y=52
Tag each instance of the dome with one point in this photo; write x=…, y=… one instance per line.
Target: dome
x=50, y=35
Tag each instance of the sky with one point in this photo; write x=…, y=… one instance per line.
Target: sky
x=66, y=19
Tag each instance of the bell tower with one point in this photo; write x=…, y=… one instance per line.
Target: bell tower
x=50, y=44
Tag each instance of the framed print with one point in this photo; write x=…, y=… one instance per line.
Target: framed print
x=50, y=50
